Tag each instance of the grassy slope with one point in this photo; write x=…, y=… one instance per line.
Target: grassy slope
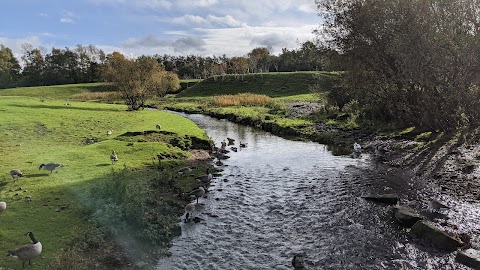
x=54, y=91
x=35, y=132
x=283, y=84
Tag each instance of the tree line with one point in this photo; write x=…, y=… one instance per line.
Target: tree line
x=416, y=62
x=84, y=64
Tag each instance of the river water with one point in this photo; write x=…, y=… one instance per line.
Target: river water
x=276, y=198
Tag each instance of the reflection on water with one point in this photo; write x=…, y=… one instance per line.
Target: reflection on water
x=278, y=197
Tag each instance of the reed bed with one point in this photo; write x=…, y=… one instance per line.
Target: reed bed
x=242, y=99
x=102, y=96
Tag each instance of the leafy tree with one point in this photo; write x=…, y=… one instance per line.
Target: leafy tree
x=139, y=79
x=412, y=61
x=34, y=65
x=9, y=68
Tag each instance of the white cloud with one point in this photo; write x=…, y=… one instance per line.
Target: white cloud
x=209, y=20
x=155, y=4
x=15, y=44
x=180, y=45
x=66, y=20
x=68, y=17
x=195, y=3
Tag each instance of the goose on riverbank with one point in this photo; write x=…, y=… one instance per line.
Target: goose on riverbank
x=243, y=145
x=189, y=210
x=230, y=141
x=184, y=170
x=198, y=192
x=27, y=252
x=3, y=206
x=356, y=147
x=205, y=179
x=15, y=174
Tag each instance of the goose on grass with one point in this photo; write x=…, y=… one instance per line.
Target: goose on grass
x=27, y=252
x=113, y=157
x=50, y=166
x=15, y=173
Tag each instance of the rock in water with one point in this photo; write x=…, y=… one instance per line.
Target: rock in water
x=406, y=215
x=469, y=257
x=435, y=236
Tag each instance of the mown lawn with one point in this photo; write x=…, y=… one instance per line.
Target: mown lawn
x=33, y=132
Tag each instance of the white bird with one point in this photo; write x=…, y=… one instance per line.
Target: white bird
x=3, y=206
x=198, y=192
x=189, y=210
x=109, y=132
x=113, y=157
x=27, y=252
x=357, y=147
x=50, y=166
x=15, y=174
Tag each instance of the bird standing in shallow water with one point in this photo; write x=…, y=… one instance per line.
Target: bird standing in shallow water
x=356, y=147
x=15, y=174
x=189, y=209
x=27, y=252
x=113, y=157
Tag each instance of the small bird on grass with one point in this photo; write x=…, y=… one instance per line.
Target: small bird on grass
x=15, y=174
x=50, y=166
x=158, y=126
x=109, y=132
x=27, y=252
x=113, y=157
x=3, y=206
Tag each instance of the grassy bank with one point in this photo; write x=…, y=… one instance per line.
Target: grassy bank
x=57, y=206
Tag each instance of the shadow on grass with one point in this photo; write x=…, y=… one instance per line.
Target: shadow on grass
x=104, y=165
x=41, y=106
x=37, y=175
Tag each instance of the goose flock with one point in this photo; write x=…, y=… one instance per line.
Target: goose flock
x=218, y=153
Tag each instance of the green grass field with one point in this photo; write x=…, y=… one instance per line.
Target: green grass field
x=35, y=132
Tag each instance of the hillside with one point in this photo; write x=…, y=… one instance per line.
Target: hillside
x=271, y=84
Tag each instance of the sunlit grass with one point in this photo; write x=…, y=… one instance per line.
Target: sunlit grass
x=35, y=132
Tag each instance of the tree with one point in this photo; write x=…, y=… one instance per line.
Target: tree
x=258, y=59
x=412, y=61
x=9, y=68
x=138, y=79
x=33, y=65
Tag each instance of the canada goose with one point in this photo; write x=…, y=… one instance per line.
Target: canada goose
x=223, y=145
x=184, y=170
x=3, y=206
x=437, y=206
x=189, y=209
x=109, y=132
x=243, y=145
x=28, y=251
x=50, y=166
x=231, y=141
x=221, y=156
x=15, y=174
x=158, y=126
x=219, y=163
x=357, y=147
x=205, y=179
x=113, y=157
x=198, y=192
x=234, y=149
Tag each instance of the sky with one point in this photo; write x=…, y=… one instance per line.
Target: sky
x=149, y=27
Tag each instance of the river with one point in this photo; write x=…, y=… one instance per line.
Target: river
x=276, y=198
